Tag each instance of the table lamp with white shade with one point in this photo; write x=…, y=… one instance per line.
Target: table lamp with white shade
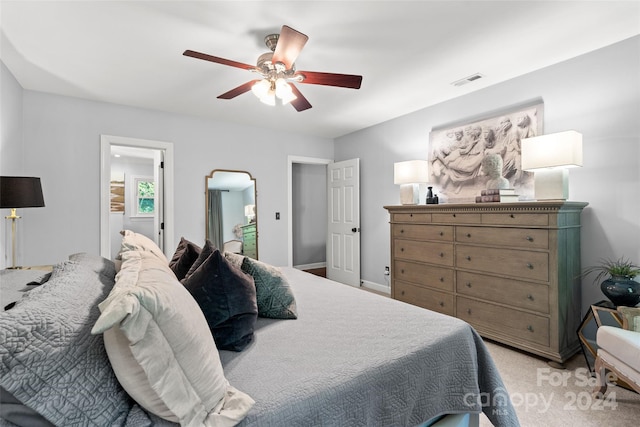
x=409, y=175
x=549, y=157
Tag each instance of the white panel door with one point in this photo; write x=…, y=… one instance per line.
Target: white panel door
x=343, y=236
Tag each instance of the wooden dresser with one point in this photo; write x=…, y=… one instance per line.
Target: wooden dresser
x=511, y=270
x=249, y=242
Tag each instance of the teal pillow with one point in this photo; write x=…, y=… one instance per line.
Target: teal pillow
x=273, y=292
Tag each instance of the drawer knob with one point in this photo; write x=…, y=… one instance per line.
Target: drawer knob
x=442, y=279
x=512, y=215
x=402, y=271
x=401, y=292
x=441, y=233
x=530, y=297
x=454, y=215
x=469, y=235
x=529, y=239
x=441, y=304
x=468, y=258
x=468, y=311
x=411, y=215
x=530, y=266
x=468, y=284
x=401, y=249
x=401, y=230
x=441, y=254
x=530, y=328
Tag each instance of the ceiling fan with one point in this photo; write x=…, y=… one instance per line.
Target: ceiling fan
x=278, y=71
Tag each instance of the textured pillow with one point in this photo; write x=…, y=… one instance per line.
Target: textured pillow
x=161, y=349
x=273, y=292
x=234, y=258
x=49, y=360
x=227, y=297
x=184, y=257
x=132, y=241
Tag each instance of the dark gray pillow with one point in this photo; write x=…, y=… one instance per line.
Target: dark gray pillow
x=273, y=293
x=49, y=360
x=185, y=255
x=227, y=297
x=12, y=410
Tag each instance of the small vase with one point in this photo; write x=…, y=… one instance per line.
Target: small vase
x=621, y=291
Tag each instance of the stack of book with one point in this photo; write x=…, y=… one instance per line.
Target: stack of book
x=505, y=195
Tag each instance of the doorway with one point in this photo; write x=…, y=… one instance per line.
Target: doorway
x=154, y=161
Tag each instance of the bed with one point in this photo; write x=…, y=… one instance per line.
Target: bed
x=350, y=358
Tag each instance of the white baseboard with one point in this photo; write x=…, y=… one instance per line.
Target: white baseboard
x=376, y=287
x=310, y=266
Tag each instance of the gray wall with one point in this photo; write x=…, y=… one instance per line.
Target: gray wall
x=597, y=94
x=309, y=200
x=62, y=137
x=11, y=149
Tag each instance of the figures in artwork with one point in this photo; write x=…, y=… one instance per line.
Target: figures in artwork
x=463, y=158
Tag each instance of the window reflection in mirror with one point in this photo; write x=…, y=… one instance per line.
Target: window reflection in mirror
x=231, y=211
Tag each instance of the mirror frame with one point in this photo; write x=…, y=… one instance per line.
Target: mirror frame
x=206, y=200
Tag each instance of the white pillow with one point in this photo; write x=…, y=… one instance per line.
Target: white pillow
x=161, y=349
x=132, y=241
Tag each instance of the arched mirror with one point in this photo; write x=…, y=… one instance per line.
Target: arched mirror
x=231, y=211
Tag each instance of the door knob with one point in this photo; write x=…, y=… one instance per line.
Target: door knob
x=354, y=229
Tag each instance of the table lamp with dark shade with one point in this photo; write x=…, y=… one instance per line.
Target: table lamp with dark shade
x=19, y=192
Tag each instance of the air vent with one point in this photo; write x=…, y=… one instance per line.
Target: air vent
x=469, y=79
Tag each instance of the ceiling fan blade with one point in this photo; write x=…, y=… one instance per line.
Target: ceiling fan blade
x=239, y=90
x=330, y=79
x=218, y=60
x=300, y=103
x=289, y=45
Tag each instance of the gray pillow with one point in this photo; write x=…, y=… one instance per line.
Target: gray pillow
x=273, y=292
x=49, y=360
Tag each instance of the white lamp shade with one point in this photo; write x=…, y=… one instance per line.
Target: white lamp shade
x=552, y=151
x=249, y=210
x=411, y=172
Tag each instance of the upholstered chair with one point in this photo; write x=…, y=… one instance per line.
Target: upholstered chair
x=619, y=351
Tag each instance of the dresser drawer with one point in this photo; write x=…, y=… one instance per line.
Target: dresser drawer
x=520, y=264
x=411, y=217
x=534, y=238
x=505, y=321
x=457, y=218
x=515, y=218
x=441, y=302
x=433, y=252
x=425, y=275
x=427, y=232
x=512, y=292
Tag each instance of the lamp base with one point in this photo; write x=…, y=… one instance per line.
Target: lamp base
x=409, y=194
x=551, y=184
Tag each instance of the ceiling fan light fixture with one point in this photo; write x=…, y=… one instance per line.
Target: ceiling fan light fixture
x=261, y=88
x=284, y=91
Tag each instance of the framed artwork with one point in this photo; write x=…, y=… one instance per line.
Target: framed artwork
x=117, y=193
x=456, y=151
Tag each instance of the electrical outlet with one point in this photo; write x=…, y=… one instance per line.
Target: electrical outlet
x=277, y=215
x=386, y=270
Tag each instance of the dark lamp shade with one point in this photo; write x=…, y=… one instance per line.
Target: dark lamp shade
x=20, y=192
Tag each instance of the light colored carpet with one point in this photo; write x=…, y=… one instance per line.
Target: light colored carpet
x=544, y=396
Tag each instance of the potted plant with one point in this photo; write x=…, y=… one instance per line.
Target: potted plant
x=618, y=285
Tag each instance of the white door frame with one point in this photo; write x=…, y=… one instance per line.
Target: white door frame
x=290, y=161
x=106, y=141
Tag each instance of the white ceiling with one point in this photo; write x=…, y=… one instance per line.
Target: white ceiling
x=408, y=52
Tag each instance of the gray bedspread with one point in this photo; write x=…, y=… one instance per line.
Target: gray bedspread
x=354, y=358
